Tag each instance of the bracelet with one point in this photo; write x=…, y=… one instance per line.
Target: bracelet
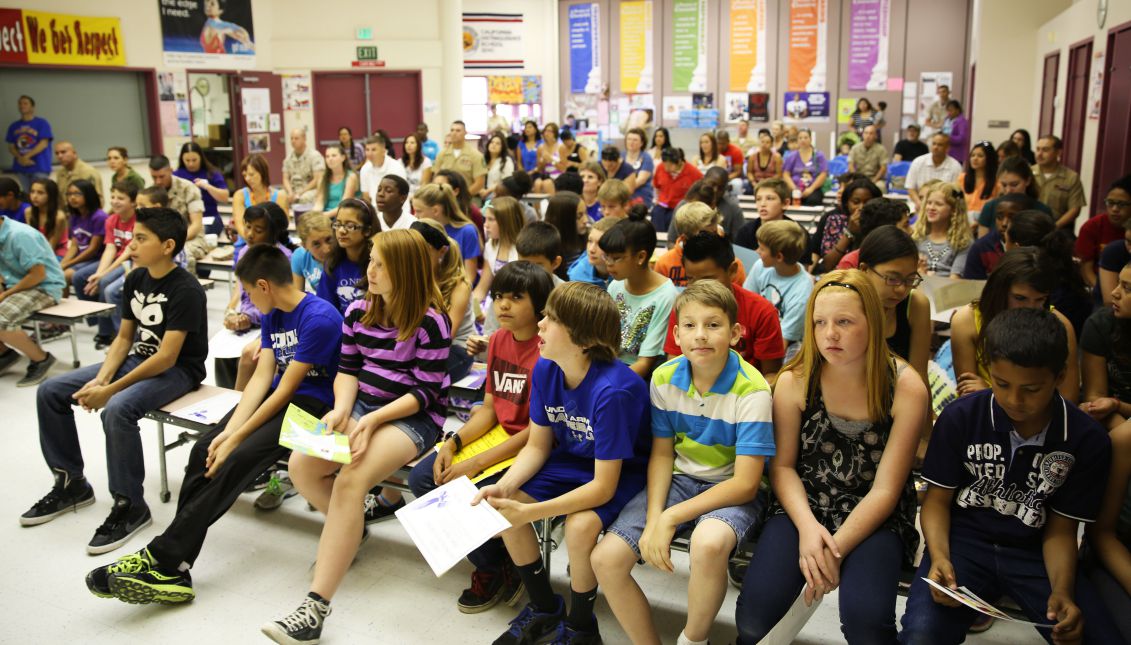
x=459, y=442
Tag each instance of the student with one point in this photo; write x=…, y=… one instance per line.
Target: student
x=590, y=266
x=1105, y=359
x=455, y=294
x=389, y=400
x=838, y=229
x=1104, y=228
x=517, y=186
x=257, y=190
x=418, y=167
x=567, y=213
x=519, y=297
x=977, y=180
x=585, y=463
x=502, y=222
x=308, y=262
x=1070, y=295
x=1114, y=257
x=47, y=217
x=691, y=219
x=300, y=337
x=874, y=214
x=1014, y=176
x=11, y=206
x=87, y=228
x=1011, y=473
x=985, y=252
x=943, y=233
x=709, y=257
x=194, y=166
x=1107, y=552
x=438, y=202
x=643, y=297
x=378, y=165
x=500, y=164
x=106, y=283
x=458, y=184
x=779, y=278
x=1024, y=278
x=541, y=244
x=614, y=198
x=712, y=431
x=673, y=177
x=30, y=280
x=847, y=521
x=763, y=162
x=390, y=196
x=771, y=196
x=527, y=151
x=337, y=183
x=345, y=264
x=157, y=357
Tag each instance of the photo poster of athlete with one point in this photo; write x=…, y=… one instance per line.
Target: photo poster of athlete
x=205, y=30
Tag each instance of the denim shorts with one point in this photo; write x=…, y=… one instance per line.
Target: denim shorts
x=418, y=427
x=629, y=525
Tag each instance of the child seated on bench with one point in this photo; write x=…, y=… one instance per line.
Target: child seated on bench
x=105, y=284
x=30, y=280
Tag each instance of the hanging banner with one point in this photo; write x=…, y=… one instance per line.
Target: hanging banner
x=689, y=45
x=41, y=38
x=585, y=48
x=204, y=32
x=493, y=40
x=748, y=45
x=868, y=37
x=514, y=90
x=808, y=42
x=636, y=47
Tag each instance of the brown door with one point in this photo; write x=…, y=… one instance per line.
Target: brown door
x=1048, y=95
x=259, y=101
x=1076, y=103
x=1113, y=146
x=395, y=104
x=339, y=100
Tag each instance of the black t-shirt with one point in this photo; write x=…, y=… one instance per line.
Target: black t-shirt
x=1097, y=339
x=175, y=302
x=908, y=150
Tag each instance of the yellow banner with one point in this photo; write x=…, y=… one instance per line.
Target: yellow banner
x=636, y=47
x=504, y=89
x=62, y=39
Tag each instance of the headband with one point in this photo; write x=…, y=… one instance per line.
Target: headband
x=434, y=238
x=840, y=284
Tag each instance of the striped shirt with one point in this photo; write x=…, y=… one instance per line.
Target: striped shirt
x=387, y=369
x=711, y=429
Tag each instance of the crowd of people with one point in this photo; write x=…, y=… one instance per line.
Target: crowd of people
x=642, y=391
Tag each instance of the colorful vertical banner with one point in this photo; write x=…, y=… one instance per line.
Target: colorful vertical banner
x=689, y=45
x=748, y=45
x=868, y=38
x=636, y=68
x=808, y=44
x=585, y=48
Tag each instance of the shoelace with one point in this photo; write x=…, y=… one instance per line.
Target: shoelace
x=524, y=618
x=274, y=486
x=50, y=499
x=132, y=563
x=117, y=516
x=305, y=616
x=479, y=582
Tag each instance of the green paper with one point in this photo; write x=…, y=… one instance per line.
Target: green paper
x=304, y=433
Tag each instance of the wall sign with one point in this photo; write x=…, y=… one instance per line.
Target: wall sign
x=42, y=38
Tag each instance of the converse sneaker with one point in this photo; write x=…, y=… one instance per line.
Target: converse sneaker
x=98, y=580
x=303, y=625
x=485, y=591
x=124, y=521
x=567, y=635
x=66, y=495
x=531, y=625
x=279, y=489
x=376, y=511
x=152, y=585
x=37, y=371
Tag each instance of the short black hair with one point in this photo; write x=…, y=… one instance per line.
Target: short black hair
x=1026, y=202
x=672, y=155
x=1028, y=338
x=523, y=277
x=880, y=211
x=9, y=186
x=707, y=245
x=275, y=217
x=887, y=243
x=1123, y=183
x=539, y=239
x=568, y=182
x=1031, y=228
x=156, y=194
x=632, y=234
x=125, y=187
x=159, y=162
x=403, y=188
x=610, y=153
x=166, y=224
x=264, y=262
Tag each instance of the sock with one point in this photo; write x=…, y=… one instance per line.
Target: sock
x=684, y=640
x=183, y=567
x=314, y=596
x=537, y=581
x=581, y=609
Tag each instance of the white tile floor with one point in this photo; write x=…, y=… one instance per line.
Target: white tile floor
x=254, y=566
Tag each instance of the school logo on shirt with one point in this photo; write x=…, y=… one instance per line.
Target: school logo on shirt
x=149, y=311
x=1024, y=500
x=284, y=345
x=509, y=382
x=579, y=427
x=1055, y=468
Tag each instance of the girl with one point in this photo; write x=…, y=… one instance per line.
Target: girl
x=549, y=160
x=338, y=183
x=573, y=153
x=708, y=153
x=527, y=151
x=1070, y=295
x=87, y=229
x=118, y=159
x=502, y=221
x=463, y=197
x=943, y=234
x=388, y=397
x=847, y=415
x=455, y=294
x=418, y=168
x=836, y=231
x=105, y=284
x=518, y=186
x=45, y=216
x=355, y=224
x=777, y=130
x=977, y=180
x=354, y=150
x=565, y=210
x=1105, y=347
x=257, y=190
x=308, y=262
x=392, y=192
x=1024, y=277
x=1024, y=143
x=764, y=162
x=661, y=140
x=438, y=202
x=1014, y=176
x=644, y=298
x=673, y=178
x=195, y=167
x=590, y=266
x=500, y=164
x=863, y=116
x=640, y=181
x=805, y=170
x=592, y=176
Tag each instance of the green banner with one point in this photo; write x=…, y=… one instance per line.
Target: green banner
x=687, y=21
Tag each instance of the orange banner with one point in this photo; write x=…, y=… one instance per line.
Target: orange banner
x=748, y=45
x=808, y=24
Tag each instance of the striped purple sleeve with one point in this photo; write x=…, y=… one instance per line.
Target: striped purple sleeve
x=429, y=371
x=350, y=360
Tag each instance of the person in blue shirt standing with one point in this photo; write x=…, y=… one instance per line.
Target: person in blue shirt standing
x=29, y=142
x=427, y=146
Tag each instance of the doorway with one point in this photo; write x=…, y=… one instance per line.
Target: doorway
x=365, y=102
x=1048, y=95
x=210, y=110
x=1076, y=103
x=1113, y=145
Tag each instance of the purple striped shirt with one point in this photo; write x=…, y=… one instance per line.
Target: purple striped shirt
x=387, y=370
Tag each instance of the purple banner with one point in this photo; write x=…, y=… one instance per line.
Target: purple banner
x=868, y=38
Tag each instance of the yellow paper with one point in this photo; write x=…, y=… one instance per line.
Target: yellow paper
x=496, y=436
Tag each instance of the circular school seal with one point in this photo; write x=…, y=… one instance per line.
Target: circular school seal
x=1056, y=466
x=470, y=39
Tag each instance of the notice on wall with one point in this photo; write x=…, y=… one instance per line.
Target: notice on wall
x=493, y=40
x=808, y=45
x=748, y=45
x=585, y=49
x=1096, y=86
x=636, y=68
x=172, y=95
x=869, y=31
x=689, y=45
x=199, y=32
x=41, y=38
x=296, y=92
x=806, y=107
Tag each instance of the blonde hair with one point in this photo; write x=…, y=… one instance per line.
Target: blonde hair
x=590, y=316
x=879, y=361
x=604, y=224
x=451, y=271
x=615, y=191
x=442, y=195
x=405, y=256
x=510, y=218
x=785, y=237
x=709, y=293
x=693, y=217
x=311, y=222
x=958, y=234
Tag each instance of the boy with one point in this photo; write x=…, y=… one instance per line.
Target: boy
x=590, y=266
x=1012, y=471
x=519, y=294
x=540, y=243
x=157, y=357
x=300, y=339
x=584, y=458
x=710, y=257
x=779, y=278
x=11, y=206
x=30, y=280
x=157, y=197
x=712, y=431
x=772, y=196
x=614, y=197
x=987, y=250
x=691, y=219
x=106, y=282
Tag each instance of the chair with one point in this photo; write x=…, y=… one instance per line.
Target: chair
x=897, y=177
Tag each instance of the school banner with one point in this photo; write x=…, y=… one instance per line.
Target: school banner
x=748, y=45
x=808, y=30
x=513, y=90
x=689, y=45
x=868, y=39
x=204, y=32
x=493, y=41
x=585, y=48
x=636, y=67
x=42, y=38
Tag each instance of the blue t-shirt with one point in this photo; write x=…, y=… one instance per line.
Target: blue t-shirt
x=25, y=135
x=1002, y=494
x=644, y=191
x=467, y=239
x=21, y=248
x=311, y=333
x=85, y=227
x=788, y=294
x=582, y=271
x=339, y=287
x=430, y=149
x=211, y=208
x=593, y=211
x=607, y=416
x=304, y=264
x=19, y=214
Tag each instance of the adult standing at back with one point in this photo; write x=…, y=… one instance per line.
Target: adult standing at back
x=184, y=197
x=936, y=114
x=302, y=169
x=72, y=168
x=378, y=164
x=462, y=157
x=427, y=146
x=1058, y=186
x=193, y=166
x=937, y=165
x=28, y=139
x=958, y=129
x=869, y=158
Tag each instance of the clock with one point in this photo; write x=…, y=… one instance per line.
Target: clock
x=202, y=86
x=1101, y=13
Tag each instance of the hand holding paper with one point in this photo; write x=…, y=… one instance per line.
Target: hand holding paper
x=446, y=527
x=309, y=436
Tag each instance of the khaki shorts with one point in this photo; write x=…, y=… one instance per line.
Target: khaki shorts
x=20, y=306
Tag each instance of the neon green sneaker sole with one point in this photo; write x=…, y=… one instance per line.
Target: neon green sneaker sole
x=136, y=591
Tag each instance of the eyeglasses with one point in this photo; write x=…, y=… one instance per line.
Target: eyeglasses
x=896, y=281
x=613, y=259
x=1116, y=204
x=349, y=226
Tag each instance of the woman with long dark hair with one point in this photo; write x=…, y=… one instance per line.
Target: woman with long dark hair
x=978, y=180
x=1025, y=144
x=193, y=166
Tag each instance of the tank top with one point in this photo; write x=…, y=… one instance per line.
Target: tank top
x=529, y=156
x=334, y=192
x=274, y=196
x=574, y=155
x=900, y=342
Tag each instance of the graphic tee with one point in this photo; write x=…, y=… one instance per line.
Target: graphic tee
x=175, y=302
x=310, y=333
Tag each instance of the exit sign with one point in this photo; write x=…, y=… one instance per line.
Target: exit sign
x=367, y=53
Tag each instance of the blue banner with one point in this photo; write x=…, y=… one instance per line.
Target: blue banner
x=584, y=53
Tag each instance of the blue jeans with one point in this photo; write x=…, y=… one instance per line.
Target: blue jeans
x=25, y=177
x=868, y=579
x=662, y=217
x=59, y=438
x=112, y=294
x=107, y=326
x=991, y=571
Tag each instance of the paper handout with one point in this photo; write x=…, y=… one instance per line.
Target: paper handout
x=306, y=434
x=445, y=526
x=484, y=443
x=229, y=344
x=971, y=600
x=946, y=295
x=210, y=410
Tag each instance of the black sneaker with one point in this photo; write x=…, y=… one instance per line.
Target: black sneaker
x=375, y=511
x=152, y=585
x=303, y=625
x=124, y=521
x=67, y=495
x=8, y=359
x=485, y=591
x=37, y=371
x=98, y=580
x=567, y=635
x=531, y=625
x=102, y=342
x=513, y=587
